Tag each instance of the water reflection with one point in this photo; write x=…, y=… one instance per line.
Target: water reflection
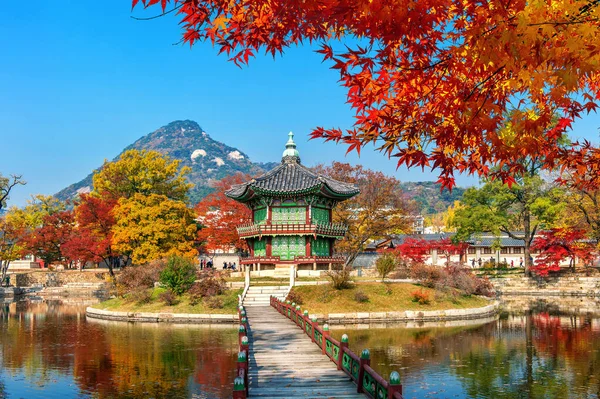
x=533, y=355
x=49, y=349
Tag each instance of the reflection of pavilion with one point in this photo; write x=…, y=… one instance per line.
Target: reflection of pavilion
x=291, y=216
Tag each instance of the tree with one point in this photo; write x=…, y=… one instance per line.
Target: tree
x=153, y=227
x=412, y=250
x=142, y=172
x=220, y=215
x=518, y=211
x=436, y=90
x=386, y=264
x=378, y=211
x=47, y=241
x=10, y=243
x=92, y=238
x=557, y=245
x=6, y=185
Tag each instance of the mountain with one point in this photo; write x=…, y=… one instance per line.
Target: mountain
x=208, y=159
x=429, y=196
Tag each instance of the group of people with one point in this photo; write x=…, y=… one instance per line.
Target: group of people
x=229, y=265
x=205, y=264
x=493, y=261
x=208, y=264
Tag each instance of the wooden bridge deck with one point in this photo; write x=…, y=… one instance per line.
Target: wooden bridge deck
x=285, y=363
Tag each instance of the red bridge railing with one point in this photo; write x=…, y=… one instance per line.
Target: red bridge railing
x=240, y=383
x=367, y=380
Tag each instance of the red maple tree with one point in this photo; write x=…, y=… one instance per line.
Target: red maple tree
x=47, y=241
x=92, y=238
x=220, y=215
x=416, y=250
x=447, y=84
x=412, y=250
x=558, y=245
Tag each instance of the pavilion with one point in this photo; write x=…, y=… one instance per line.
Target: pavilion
x=291, y=216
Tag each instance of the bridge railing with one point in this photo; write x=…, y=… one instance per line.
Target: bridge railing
x=358, y=368
x=240, y=382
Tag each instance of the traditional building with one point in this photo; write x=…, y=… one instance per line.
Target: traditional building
x=291, y=216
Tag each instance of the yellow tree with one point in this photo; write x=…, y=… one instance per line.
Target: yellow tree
x=150, y=227
x=378, y=211
x=142, y=172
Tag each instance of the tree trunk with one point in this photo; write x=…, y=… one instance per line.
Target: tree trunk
x=4, y=266
x=527, y=241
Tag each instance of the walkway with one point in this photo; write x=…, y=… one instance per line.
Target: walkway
x=285, y=363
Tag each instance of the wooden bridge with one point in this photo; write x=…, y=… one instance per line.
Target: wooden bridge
x=284, y=354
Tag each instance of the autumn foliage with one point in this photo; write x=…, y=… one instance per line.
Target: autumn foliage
x=559, y=245
x=447, y=84
x=220, y=215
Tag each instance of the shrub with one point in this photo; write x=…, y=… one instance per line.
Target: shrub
x=133, y=278
x=209, y=284
x=141, y=295
x=361, y=297
x=294, y=296
x=214, y=302
x=385, y=264
x=421, y=296
x=168, y=297
x=178, y=275
x=426, y=275
x=340, y=277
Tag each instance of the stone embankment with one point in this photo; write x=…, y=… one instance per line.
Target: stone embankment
x=569, y=305
x=411, y=315
x=177, y=318
x=554, y=286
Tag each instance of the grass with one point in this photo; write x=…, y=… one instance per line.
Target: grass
x=155, y=305
x=323, y=299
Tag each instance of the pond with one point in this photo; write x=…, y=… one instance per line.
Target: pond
x=49, y=350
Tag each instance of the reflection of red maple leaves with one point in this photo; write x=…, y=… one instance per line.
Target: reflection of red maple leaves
x=558, y=245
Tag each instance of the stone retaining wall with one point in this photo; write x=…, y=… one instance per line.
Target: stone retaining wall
x=51, y=278
x=411, y=315
x=178, y=318
x=554, y=286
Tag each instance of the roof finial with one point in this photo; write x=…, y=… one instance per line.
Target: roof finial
x=290, y=149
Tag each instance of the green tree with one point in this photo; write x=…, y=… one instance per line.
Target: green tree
x=178, y=275
x=142, y=172
x=152, y=227
x=386, y=264
x=518, y=211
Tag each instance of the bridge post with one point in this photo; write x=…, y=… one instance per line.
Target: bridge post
x=395, y=385
x=343, y=346
x=365, y=360
x=325, y=335
x=314, y=324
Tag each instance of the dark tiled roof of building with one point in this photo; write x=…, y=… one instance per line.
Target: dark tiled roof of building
x=477, y=240
x=292, y=177
x=366, y=259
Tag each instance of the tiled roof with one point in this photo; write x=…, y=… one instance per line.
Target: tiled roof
x=476, y=240
x=292, y=177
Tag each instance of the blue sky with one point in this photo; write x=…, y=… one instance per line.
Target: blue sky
x=81, y=80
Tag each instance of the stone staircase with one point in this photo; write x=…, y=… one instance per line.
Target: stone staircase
x=557, y=286
x=260, y=295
